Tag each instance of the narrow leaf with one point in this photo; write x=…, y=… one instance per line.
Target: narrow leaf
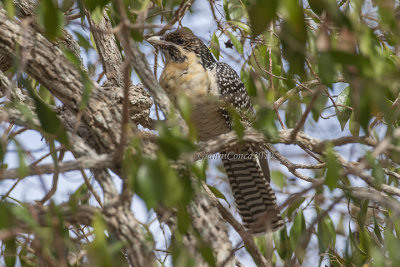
x=326, y=234
x=236, y=43
x=333, y=168
x=215, y=48
x=218, y=193
x=51, y=18
x=261, y=13
x=51, y=124
x=296, y=233
x=343, y=113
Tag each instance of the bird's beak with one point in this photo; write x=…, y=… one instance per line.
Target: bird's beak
x=156, y=40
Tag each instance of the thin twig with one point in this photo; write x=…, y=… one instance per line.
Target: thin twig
x=102, y=161
x=178, y=15
x=91, y=189
x=310, y=105
x=246, y=237
x=56, y=173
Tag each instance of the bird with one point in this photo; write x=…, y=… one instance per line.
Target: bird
x=213, y=87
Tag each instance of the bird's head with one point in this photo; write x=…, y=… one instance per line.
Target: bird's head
x=177, y=44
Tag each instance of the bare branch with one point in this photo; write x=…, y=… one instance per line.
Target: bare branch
x=102, y=161
x=178, y=15
x=247, y=238
x=109, y=53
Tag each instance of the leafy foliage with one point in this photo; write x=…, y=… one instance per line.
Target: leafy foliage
x=329, y=69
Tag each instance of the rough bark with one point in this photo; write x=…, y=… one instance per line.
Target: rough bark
x=57, y=74
x=47, y=64
x=109, y=53
x=99, y=128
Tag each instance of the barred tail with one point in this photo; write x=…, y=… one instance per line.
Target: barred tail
x=254, y=198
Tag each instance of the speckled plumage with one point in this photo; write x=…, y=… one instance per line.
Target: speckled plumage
x=211, y=86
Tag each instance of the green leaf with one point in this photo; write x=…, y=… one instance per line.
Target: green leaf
x=355, y=243
x=180, y=255
x=79, y=197
x=393, y=246
x=293, y=36
x=51, y=18
x=293, y=112
x=97, y=14
x=387, y=14
x=10, y=252
x=317, y=6
x=362, y=214
x=294, y=206
x=72, y=58
x=199, y=167
x=248, y=82
x=87, y=83
x=207, y=253
x=87, y=89
x=261, y=13
x=241, y=25
x=377, y=173
x=326, y=68
x=23, y=214
x=354, y=125
x=23, y=169
x=172, y=143
x=215, y=48
x=259, y=59
x=365, y=240
x=377, y=230
x=183, y=220
x=148, y=183
x=99, y=251
x=265, y=122
x=333, y=169
x=282, y=244
x=82, y=41
x=378, y=258
x=67, y=4
x=137, y=35
x=25, y=111
x=343, y=113
x=278, y=178
x=138, y=5
x=185, y=107
x=237, y=123
x=156, y=182
x=218, y=193
x=234, y=9
x=326, y=234
x=6, y=214
x=236, y=43
x=296, y=233
x=318, y=106
x=10, y=8
x=51, y=124
x=93, y=4
x=262, y=244
x=46, y=96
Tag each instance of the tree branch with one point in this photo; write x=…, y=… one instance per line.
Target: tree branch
x=102, y=161
x=247, y=238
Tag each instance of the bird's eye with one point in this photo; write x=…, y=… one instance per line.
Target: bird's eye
x=179, y=41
